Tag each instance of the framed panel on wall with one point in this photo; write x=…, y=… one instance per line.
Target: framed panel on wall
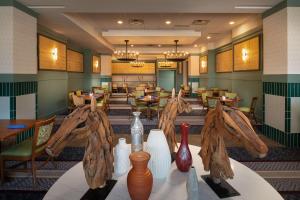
x=224, y=61
x=203, y=64
x=246, y=55
x=74, y=61
x=52, y=54
x=96, y=64
x=127, y=68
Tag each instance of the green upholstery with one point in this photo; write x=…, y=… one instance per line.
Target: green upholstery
x=139, y=93
x=214, y=88
x=100, y=103
x=245, y=109
x=23, y=149
x=212, y=103
x=204, y=95
x=78, y=93
x=44, y=134
x=230, y=95
x=98, y=91
x=157, y=89
x=162, y=103
x=164, y=94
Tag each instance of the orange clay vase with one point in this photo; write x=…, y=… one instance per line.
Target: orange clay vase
x=139, y=179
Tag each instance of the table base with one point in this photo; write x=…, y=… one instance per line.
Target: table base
x=223, y=190
x=99, y=193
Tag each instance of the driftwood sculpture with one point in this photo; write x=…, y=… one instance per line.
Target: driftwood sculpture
x=225, y=122
x=175, y=105
x=88, y=122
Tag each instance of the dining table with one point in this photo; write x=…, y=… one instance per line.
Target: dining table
x=249, y=185
x=88, y=97
x=230, y=101
x=149, y=100
x=6, y=132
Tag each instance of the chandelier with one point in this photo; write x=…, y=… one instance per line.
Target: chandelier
x=137, y=63
x=177, y=56
x=165, y=63
x=126, y=55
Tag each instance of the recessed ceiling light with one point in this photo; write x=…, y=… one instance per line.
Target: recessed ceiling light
x=208, y=37
x=132, y=45
x=253, y=7
x=159, y=45
x=168, y=22
x=231, y=22
x=195, y=45
x=120, y=22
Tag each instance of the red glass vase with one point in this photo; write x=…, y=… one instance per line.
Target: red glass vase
x=183, y=155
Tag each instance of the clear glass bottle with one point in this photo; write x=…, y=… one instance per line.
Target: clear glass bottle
x=137, y=132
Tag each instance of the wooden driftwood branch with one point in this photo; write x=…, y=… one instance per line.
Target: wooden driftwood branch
x=224, y=122
x=98, y=156
x=175, y=105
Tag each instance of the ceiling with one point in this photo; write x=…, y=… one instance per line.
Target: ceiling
x=90, y=23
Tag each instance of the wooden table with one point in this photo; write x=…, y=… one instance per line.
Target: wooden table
x=88, y=97
x=230, y=101
x=6, y=132
x=149, y=100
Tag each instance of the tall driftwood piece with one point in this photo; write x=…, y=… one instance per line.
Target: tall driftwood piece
x=88, y=122
x=174, y=106
x=229, y=123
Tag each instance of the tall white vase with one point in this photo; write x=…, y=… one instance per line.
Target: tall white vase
x=157, y=147
x=192, y=185
x=121, y=158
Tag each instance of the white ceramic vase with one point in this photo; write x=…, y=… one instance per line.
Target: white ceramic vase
x=157, y=147
x=192, y=185
x=121, y=158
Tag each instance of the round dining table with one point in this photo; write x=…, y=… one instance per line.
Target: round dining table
x=72, y=184
x=149, y=100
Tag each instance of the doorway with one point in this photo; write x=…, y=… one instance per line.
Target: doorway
x=167, y=79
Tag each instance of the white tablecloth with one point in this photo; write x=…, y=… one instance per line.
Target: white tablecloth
x=251, y=186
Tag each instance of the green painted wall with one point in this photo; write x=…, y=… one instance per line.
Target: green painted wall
x=52, y=93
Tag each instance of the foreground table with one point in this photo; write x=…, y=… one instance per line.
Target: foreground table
x=251, y=186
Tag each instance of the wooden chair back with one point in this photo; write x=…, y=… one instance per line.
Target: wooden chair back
x=253, y=104
x=212, y=102
x=42, y=133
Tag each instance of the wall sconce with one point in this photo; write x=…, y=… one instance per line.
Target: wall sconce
x=203, y=64
x=245, y=54
x=96, y=64
x=54, y=54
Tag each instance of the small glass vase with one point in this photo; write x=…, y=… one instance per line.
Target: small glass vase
x=137, y=132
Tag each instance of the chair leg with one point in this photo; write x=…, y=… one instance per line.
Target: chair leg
x=253, y=115
x=2, y=164
x=33, y=171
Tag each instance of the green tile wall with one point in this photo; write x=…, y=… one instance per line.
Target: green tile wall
x=286, y=90
x=13, y=89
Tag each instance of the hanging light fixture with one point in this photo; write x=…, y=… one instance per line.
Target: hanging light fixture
x=165, y=63
x=137, y=63
x=126, y=55
x=177, y=56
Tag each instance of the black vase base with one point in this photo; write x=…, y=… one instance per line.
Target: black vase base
x=223, y=189
x=99, y=193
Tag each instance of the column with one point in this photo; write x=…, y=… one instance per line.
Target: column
x=106, y=71
x=281, y=74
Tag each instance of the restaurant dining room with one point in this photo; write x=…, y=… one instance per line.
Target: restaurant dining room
x=160, y=100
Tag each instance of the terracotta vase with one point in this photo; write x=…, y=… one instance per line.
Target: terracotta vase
x=183, y=155
x=139, y=179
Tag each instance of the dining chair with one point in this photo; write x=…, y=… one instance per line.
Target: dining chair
x=230, y=95
x=203, y=100
x=136, y=105
x=186, y=90
x=104, y=103
x=212, y=102
x=139, y=93
x=250, y=111
x=71, y=105
x=78, y=92
x=78, y=100
x=162, y=102
x=115, y=88
x=29, y=149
